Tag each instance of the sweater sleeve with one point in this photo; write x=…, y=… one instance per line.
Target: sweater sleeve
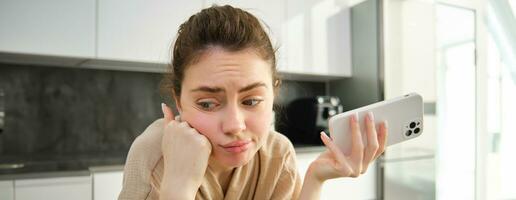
x=144, y=154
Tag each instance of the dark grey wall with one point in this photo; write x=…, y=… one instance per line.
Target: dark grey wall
x=65, y=110
x=365, y=85
x=52, y=110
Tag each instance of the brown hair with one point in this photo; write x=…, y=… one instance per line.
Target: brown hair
x=230, y=28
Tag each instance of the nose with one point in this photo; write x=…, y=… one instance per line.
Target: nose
x=234, y=121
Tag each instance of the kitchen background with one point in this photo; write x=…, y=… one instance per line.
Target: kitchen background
x=53, y=111
x=79, y=80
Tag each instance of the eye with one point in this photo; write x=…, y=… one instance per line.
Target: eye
x=252, y=102
x=207, y=105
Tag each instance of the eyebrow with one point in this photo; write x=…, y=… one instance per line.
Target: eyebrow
x=218, y=89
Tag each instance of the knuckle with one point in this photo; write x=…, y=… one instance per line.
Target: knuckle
x=373, y=146
x=170, y=126
x=192, y=131
x=183, y=124
x=167, y=123
x=171, y=123
x=203, y=142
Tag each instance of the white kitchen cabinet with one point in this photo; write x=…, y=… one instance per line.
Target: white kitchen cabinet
x=363, y=187
x=273, y=14
x=7, y=190
x=57, y=27
x=107, y=185
x=62, y=188
x=140, y=30
x=319, y=37
x=313, y=37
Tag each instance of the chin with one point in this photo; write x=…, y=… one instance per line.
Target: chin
x=238, y=160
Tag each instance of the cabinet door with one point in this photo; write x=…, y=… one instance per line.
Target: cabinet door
x=319, y=39
x=7, y=190
x=57, y=27
x=273, y=14
x=141, y=30
x=107, y=185
x=62, y=188
x=363, y=187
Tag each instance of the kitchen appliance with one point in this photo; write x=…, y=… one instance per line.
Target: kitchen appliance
x=304, y=118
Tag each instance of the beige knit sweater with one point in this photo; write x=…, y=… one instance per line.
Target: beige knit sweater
x=271, y=174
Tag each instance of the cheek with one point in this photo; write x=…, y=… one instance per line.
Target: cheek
x=259, y=123
x=208, y=125
x=203, y=123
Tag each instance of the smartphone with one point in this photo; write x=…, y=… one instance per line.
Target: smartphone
x=403, y=114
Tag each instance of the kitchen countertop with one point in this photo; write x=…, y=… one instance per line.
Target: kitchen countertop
x=47, y=165
x=50, y=166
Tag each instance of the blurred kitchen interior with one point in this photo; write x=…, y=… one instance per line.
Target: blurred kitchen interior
x=79, y=81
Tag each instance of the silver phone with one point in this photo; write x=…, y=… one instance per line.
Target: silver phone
x=403, y=114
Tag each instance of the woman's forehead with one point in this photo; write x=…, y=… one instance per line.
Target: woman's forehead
x=221, y=57
x=223, y=66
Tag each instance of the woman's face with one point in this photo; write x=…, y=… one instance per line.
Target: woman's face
x=228, y=97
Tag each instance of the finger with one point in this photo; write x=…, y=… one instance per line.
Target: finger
x=333, y=148
x=168, y=115
x=357, y=147
x=382, y=138
x=334, y=157
x=372, y=142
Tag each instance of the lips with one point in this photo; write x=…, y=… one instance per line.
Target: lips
x=237, y=146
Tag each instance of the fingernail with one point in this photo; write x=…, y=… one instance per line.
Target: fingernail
x=355, y=117
x=370, y=116
x=386, y=124
x=323, y=133
x=163, y=108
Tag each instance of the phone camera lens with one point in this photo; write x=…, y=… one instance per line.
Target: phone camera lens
x=416, y=131
x=412, y=124
x=408, y=133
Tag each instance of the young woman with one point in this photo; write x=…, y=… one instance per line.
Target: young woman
x=220, y=146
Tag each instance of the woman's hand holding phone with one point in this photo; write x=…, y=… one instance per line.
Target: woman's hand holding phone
x=186, y=153
x=333, y=163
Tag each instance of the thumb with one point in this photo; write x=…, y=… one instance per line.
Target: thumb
x=168, y=115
